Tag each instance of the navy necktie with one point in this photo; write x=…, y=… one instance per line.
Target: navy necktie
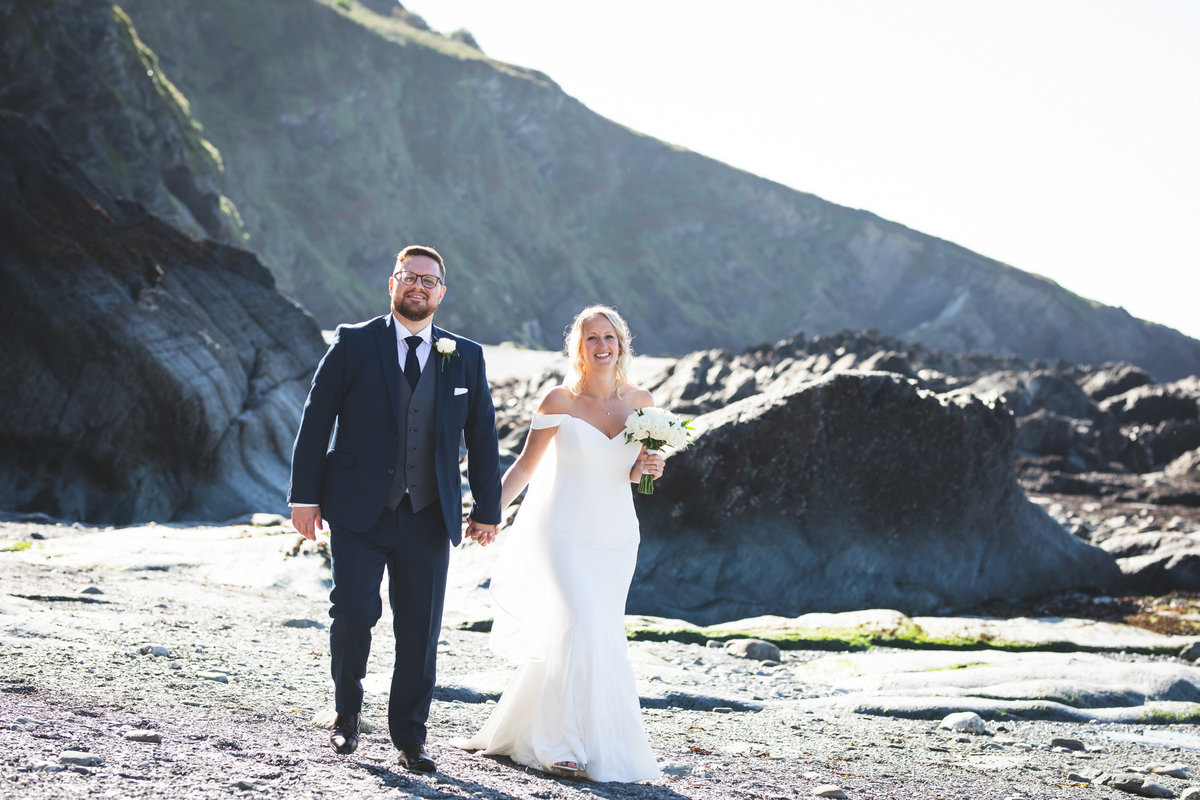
x=412, y=367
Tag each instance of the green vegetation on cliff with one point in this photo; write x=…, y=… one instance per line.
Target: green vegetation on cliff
x=80, y=69
x=347, y=133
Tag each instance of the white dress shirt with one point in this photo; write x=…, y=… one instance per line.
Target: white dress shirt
x=423, y=349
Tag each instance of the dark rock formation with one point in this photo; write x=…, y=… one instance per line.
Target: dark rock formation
x=147, y=375
x=1151, y=560
x=888, y=445
x=1113, y=379
x=79, y=68
x=542, y=206
x=856, y=490
x=1152, y=405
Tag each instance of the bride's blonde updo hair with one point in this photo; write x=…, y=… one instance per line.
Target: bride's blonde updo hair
x=574, y=347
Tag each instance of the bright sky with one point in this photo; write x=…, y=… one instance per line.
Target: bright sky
x=1059, y=136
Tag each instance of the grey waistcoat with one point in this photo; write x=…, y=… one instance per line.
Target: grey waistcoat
x=415, y=472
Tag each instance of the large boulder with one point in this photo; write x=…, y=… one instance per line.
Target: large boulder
x=1113, y=379
x=1155, y=562
x=856, y=490
x=148, y=375
x=1154, y=403
x=1045, y=433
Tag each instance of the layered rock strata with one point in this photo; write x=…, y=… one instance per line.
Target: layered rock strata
x=148, y=375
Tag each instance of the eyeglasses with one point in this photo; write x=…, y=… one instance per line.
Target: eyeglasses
x=410, y=278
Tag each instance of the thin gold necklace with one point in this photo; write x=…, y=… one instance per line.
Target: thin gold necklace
x=606, y=404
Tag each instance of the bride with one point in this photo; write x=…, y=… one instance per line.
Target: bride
x=564, y=571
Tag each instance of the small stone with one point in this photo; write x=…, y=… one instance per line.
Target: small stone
x=245, y=784
x=1171, y=770
x=1191, y=652
x=965, y=721
x=476, y=625
x=1067, y=744
x=755, y=649
x=155, y=650
x=325, y=718
x=302, y=623
x=219, y=677
x=91, y=590
x=714, y=644
x=722, y=710
x=79, y=758
x=1135, y=784
x=829, y=790
x=47, y=766
x=153, y=737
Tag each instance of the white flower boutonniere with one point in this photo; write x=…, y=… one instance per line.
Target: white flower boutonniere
x=446, y=348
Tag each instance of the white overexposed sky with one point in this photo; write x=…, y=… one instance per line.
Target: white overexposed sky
x=1059, y=136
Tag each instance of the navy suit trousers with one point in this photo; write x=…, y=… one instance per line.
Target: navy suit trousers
x=414, y=548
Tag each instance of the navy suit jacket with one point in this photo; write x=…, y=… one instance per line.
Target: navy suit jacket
x=345, y=452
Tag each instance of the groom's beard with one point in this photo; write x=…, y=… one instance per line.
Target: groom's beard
x=411, y=312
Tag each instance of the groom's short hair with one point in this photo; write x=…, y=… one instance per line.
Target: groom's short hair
x=421, y=250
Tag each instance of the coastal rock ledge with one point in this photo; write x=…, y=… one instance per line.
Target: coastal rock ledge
x=148, y=375
x=853, y=490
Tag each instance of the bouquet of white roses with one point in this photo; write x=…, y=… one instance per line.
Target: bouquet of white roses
x=656, y=428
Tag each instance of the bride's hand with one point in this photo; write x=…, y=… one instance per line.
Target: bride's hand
x=648, y=463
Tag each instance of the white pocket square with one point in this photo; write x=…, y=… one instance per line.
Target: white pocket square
x=459, y=390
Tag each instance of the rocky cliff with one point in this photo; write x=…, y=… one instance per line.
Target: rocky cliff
x=346, y=133
x=147, y=375
x=78, y=68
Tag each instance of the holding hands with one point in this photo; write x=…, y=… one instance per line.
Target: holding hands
x=482, y=533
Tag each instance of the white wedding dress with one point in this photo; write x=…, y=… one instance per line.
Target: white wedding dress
x=560, y=585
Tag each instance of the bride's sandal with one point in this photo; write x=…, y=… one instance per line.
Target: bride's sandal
x=567, y=769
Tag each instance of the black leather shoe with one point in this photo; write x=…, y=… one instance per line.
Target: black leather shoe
x=344, y=736
x=416, y=758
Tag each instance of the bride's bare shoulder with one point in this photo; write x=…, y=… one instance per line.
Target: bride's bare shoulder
x=558, y=400
x=638, y=397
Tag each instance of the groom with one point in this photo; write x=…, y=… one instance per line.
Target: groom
x=396, y=393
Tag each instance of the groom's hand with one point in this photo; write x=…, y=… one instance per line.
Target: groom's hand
x=307, y=520
x=484, y=534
